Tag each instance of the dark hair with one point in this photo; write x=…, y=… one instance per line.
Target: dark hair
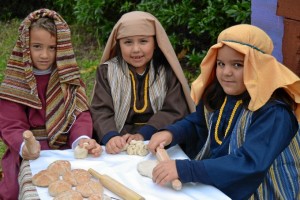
x=46, y=24
x=158, y=58
x=214, y=96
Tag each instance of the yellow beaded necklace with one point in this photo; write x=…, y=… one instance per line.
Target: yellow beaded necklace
x=145, y=94
x=239, y=102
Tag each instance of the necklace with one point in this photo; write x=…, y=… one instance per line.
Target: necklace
x=145, y=94
x=239, y=102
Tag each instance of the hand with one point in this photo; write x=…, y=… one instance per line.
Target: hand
x=92, y=146
x=28, y=156
x=164, y=172
x=128, y=137
x=115, y=145
x=159, y=139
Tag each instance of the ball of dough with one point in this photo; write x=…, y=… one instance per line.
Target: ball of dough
x=59, y=187
x=81, y=152
x=44, y=178
x=146, y=167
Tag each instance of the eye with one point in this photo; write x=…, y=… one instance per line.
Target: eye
x=52, y=48
x=127, y=42
x=36, y=46
x=238, y=65
x=220, y=63
x=143, y=41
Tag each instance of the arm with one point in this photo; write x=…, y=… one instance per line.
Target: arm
x=13, y=122
x=174, y=108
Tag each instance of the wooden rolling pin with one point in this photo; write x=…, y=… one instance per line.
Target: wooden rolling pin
x=162, y=155
x=116, y=187
x=30, y=142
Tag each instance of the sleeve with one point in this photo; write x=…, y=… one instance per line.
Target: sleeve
x=13, y=122
x=83, y=126
x=174, y=108
x=270, y=132
x=102, y=108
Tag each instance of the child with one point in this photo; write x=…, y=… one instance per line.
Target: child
x=246, y=122
x=140, y=86
x=42, y=92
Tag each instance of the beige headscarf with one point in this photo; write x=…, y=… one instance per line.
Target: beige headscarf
x=142, y=23
x=263, y=74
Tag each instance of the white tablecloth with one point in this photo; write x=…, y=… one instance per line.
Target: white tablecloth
x=122, y=167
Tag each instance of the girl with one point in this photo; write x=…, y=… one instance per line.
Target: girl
x=245, y=124
x=42, y=92
x=140, y=86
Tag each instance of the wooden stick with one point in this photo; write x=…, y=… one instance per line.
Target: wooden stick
x=30, y=142
x=116, y=187
x=162, y=155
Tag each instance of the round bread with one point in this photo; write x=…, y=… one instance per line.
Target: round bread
x=77, y=176
x=44, y=178
x=59, y=187
x=90, y=188
x=69, y=195
x=60, y=166
x=146, y=167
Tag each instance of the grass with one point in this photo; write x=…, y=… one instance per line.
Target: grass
x=87, y=51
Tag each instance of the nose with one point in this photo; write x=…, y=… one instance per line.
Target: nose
x=44, y=53
x=227, y=70
x=136, y=47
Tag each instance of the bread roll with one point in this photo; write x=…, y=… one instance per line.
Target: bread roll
x=59, y=187
x=77, y=176
x=44, y=178
x=69, y=195
x=90, y=188
x=60, y=166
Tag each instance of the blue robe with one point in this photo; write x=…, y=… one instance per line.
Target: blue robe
x=239, y=170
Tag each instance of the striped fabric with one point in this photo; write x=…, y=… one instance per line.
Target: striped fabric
x=120, y=84
x=66, y=96
x=283, y=173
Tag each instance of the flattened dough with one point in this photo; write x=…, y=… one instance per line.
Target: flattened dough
x=146, y=167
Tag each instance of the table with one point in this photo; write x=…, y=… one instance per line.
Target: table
x=122, y=167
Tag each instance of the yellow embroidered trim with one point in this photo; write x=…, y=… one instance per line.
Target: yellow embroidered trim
x=145, y=94
x=239, y=102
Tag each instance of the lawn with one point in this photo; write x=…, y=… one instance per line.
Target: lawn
x=87, y=50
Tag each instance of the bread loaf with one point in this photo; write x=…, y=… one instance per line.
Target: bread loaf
x=60, y=166
x=90, y=188
x=59, y=187
x=69, y=195
x=44, y=178
x=77, y=176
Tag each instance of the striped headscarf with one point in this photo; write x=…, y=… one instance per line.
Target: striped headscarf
x=65, y=97
x=263, y=74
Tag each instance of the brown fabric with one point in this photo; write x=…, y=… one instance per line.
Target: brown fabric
x=263, y=74
x=142, y=23
x=289, y=9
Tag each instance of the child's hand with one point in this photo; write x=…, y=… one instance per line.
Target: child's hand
x=159, y=139
x=115, y=145
x=92, y=146
x=30, y=156
x=164, y=172
x=128, y=137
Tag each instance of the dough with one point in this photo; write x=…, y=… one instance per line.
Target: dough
x=89, y=188
x=60, y=166
x=59, y=187
x=136, y=148
x=146, y=167
x=69, y=195
x=81, y=152
x=77, y=176
x=44, y=178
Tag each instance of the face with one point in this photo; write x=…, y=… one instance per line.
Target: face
x=42, y=48
x=137, y=51
x=230, y=68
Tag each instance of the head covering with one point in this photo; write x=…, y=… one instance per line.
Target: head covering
x=263, y=74
x=143, y=23
x=68, y=97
